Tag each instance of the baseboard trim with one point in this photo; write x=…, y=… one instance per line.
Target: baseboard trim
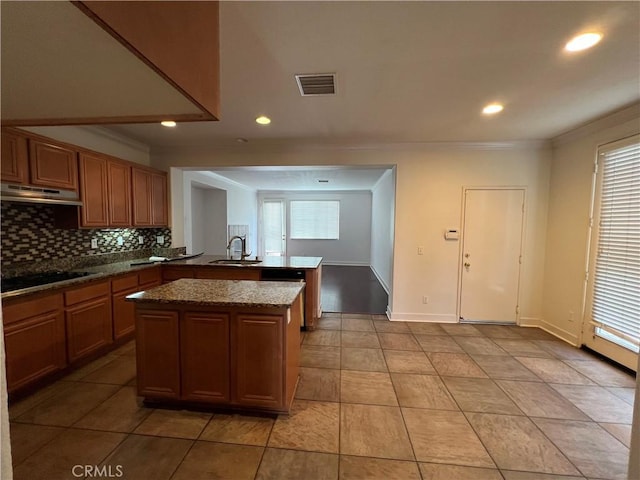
x=559, y=332
x=382, y=282
x=422, y=317
x=347, y=264
x=529, y=322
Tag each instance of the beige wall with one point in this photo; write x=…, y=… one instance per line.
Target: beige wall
x=570, y=197
x=429, y=185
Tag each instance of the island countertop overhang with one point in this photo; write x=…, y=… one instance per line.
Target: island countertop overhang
x=230, y=293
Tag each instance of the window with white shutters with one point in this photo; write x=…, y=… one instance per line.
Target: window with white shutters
x=315, y=219
x=615, y=311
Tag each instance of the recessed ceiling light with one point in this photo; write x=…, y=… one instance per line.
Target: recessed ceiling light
x=582, y=42
x=492, y=108
x=168, y=123
x=262, y=120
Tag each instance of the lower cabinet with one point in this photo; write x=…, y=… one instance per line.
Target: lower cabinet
x=204, y=352
x=158, y=355
x=124, y=313
x=88, y=319
x=259, y=352
x=225, y=357
x=34, y=336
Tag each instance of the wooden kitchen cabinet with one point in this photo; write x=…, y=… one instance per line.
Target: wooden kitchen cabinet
x=14, y=157
x=171, y=273
x=105, y=189
x=34, y=335
x=158, y=353
x=258, y=352
x=204, y=350
x=94, y=191
x=88, y=319
x=149, y=277
x=119, y=193
x=124, y=313
x=159, y=210
x=149, y=198
x=52, y=165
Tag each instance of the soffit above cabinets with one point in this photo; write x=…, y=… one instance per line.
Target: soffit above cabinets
x=86, y=63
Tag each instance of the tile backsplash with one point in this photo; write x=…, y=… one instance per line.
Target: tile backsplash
x=29, y=235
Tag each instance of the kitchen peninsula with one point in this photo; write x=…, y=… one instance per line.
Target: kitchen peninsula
x=307, y=269
x=222, y=343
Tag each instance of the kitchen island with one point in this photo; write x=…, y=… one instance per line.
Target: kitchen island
x=219, y=343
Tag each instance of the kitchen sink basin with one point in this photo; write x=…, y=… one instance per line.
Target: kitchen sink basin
x=224, y=261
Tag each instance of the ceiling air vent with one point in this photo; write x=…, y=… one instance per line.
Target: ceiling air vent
x=316, y=84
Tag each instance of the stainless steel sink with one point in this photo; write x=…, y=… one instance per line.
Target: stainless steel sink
x=224, y=261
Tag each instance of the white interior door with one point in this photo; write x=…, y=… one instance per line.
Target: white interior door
x=491, y=255
x=274, y=228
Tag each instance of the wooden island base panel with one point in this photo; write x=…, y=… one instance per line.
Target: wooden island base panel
x=227, y=344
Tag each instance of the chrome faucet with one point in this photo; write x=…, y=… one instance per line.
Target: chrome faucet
x=243, y=240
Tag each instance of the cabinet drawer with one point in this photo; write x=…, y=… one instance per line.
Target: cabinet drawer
x=15, y=312
x=82, y=294
x=124, y=283
x=149, y=275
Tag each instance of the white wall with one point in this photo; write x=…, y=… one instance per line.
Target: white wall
x=570, y=198
x=429, y=182
x=354, y=245
x=240, y=209
x=382, y=228
x=98, y=139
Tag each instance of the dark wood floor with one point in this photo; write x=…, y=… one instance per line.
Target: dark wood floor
x=349, y=289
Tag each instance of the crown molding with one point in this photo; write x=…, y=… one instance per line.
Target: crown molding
x=617, y=117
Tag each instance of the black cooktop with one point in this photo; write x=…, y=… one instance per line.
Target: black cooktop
x=36, y=279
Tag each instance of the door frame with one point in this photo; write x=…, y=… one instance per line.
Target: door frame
x=466, y=188
x=285, y=224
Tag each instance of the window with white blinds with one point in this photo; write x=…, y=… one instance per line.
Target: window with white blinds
x=315, y=219
x=616, y=288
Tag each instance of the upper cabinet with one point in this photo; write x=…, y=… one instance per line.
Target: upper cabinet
x=109, y=62
x=52, y=165
x=15, y=158
x=149, y=197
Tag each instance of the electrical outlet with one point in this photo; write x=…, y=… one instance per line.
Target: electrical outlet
x=420, y=250
x=571, y=315
x=140, y=240
x=160, y=239
x=120, y=240
x=94, y=243
x=425, y=299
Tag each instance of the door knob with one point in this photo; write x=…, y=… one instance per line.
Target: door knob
x=467, y=264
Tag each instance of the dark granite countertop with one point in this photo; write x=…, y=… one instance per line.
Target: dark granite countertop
x=265, y=262
x=229, y=293
x=111, y=269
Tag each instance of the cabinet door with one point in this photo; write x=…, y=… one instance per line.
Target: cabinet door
x=141, y=197
x=34, y=348
x=204, y=345
x=124, y=313
x=149, y=278
x=169, y=274
x=119, y=194
x=53, y=165
x=88, y=327
x=157, y=353
x=159, y=216
x=14, y=156
x=93, y=191
x=257, y=351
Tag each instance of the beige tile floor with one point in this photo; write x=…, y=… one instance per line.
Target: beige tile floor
x=376, y=400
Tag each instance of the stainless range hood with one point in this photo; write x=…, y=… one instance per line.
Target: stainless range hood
x=30, y=194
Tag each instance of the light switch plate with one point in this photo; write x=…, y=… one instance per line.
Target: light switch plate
x=160, y=239
x=120, y=241
x=94, y=243
x=140, y=240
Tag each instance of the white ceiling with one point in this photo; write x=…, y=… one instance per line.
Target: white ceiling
x=414, y=72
